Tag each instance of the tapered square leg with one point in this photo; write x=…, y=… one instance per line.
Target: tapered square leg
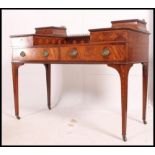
x=15, y=67
x=123, y=70
x=145, y=83
x=48, y=83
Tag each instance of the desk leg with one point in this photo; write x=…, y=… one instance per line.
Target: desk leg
x=15, y=67
x=48, y=82
x=123, y=70
x=145, y=82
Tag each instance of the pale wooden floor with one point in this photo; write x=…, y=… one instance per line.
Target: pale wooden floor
x=75, y=124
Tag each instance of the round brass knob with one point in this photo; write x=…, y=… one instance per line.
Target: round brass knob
x=22, y=53
x=45, y=53
x=74, y=52
x=105, y=52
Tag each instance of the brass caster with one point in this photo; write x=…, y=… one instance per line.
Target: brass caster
x=144, y=121
x=49, y=107
x=124, y=138
x=18, y=117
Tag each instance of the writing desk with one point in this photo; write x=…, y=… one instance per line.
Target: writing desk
x=120, y=46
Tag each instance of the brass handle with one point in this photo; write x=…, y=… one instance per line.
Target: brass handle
x=74, y=52
x=22, y=53
x=45, y=53
x=105, y=52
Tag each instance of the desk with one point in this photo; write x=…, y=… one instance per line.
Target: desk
x=123, y=44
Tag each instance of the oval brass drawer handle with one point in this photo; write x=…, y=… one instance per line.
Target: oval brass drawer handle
x=105, y=52
x=45, y=53
x=22, y=53
x=74, y=52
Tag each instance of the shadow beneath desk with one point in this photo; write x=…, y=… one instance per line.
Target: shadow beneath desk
x=92, y=126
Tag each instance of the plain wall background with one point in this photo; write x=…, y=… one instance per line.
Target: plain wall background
x=79, y=84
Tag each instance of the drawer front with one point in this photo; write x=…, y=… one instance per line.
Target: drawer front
x=36, y=54
x=20, y=42
x=117, y=35
x=93, y=53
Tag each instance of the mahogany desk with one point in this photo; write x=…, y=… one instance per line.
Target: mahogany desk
x=124, y=44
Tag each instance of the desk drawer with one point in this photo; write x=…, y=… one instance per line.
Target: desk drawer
x=111, y=35
x=36, y=54
x=93, y=53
